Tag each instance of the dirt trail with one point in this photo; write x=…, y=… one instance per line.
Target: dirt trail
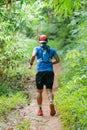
x=46, y=122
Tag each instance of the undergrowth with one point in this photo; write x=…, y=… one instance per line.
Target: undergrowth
x=14, y=72
x=71, y=97
x=10, y=102
x=24, y=125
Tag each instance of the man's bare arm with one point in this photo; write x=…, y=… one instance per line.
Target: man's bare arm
x=32, y=59
x=57, y=60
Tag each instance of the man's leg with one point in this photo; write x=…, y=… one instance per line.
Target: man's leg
x=39, y=102
x=39, y=98
x=39, y=84
x=50, y=97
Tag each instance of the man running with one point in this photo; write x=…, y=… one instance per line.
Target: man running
x=45, y=72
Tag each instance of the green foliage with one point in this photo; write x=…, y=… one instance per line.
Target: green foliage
x=71, y=98
x=14, y=60
x=8, y=103
x=24, y=125
x=72, y=107
x=66, y=7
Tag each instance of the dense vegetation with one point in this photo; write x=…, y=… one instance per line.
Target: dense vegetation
x=65, y=23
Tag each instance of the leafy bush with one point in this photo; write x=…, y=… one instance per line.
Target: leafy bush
x=71, y=98
x=8, y=103
x=14, y=60
x=72, y=107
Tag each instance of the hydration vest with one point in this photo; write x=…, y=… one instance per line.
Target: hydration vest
x=45, y=53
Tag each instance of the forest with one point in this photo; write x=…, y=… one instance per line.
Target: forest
x=65, y=24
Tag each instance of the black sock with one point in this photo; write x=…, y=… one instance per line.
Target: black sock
x=40, y=108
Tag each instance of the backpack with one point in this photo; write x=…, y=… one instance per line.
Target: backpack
x=45, y=53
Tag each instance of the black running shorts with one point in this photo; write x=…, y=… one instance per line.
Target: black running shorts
x=44, y=78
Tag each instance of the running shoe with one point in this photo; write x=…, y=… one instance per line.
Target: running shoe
x=40, y=113
x=52, y=110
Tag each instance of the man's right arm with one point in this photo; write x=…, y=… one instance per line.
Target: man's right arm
x=32, y=59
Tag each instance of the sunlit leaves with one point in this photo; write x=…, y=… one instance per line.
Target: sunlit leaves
x=66, y=7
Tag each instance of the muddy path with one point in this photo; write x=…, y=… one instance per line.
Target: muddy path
x=29, y=112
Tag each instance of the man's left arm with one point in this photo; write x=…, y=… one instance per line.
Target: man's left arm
x=57, y=60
